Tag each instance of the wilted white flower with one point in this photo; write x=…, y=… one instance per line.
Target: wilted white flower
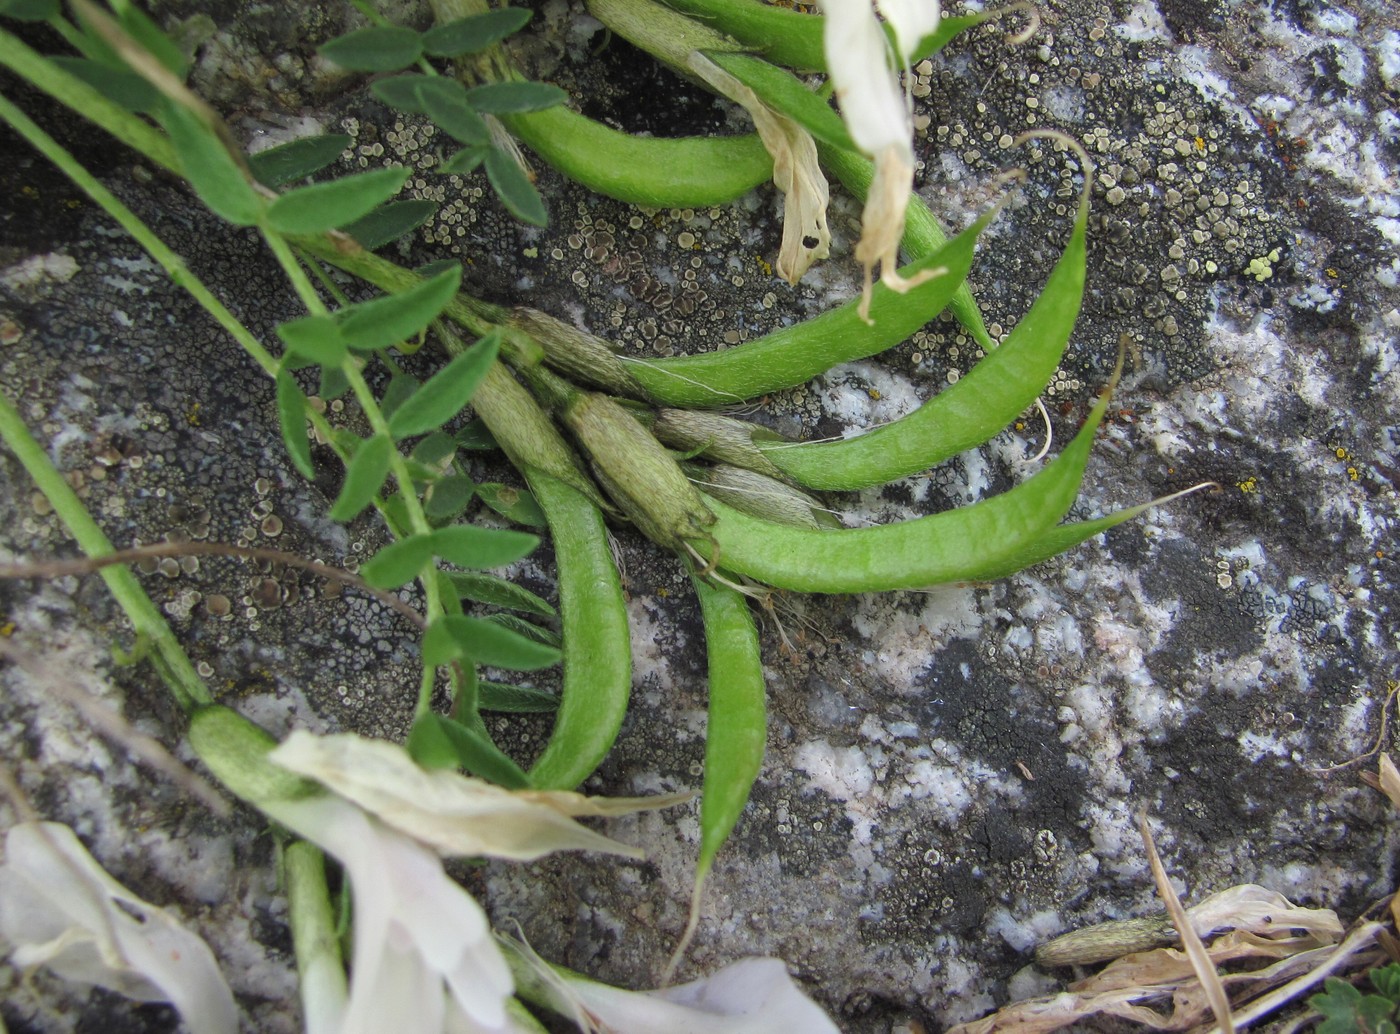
x=416, y=931
x=59, y=908
x=751, y=996
x=796, y=171
x=879, y=117
x=454, y=814
x=424, y=957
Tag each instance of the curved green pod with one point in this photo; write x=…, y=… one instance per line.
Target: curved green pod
x=791, y=38
x=966, y=413
x=796, y=354
x=970, y=543
x=737, y=730
x=597, y=639
x=922, y=231
x=657, y=172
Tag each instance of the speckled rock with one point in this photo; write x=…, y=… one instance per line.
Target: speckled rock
x=952, y=775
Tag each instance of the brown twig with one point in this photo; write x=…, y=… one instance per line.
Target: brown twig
x=1196, y=952
x=1386, y=704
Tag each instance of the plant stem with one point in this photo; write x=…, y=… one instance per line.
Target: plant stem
x=129, y=221
x=313, y=934
x=93, y=105
x=169, y=657
x=369, y=405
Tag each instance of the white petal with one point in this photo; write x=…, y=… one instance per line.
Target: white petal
x=857, y=55
x=911, y=21
x=752, y=996
x=454, y=814
x=108, y=936
x=415, y=928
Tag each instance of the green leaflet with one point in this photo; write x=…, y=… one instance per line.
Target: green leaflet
x=966, y=413
x=456, y=117
x=512, y=504
x=528, y=629
x=436, y=451
x=498, y=592
x=467, y=160
x=328, y=206
x=291, y=417
x=467, y=545
x=448, y=497
x=120, y=85
x=498, y=696
x=514, y=188
x=456, y=636
x=376, y=49
x=410, y=92
x=364, y=475
x=400, y=390
x=315, y=338
x=475, y=436
x=389, y=319
x=29, y=10
x=210, y=169
x=794, y=355
x=967, y=544
x=398, y=563
x=446, y=392
x=388, y=223
x=297, y=159
x=476, y=33
x=514, y=98
x=438, y=742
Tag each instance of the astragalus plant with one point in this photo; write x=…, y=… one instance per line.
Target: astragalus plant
x=598, y=439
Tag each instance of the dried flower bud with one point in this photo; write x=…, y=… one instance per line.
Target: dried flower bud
x=758, y=495
x=720, y=438
x=1107, y=941
x=577, y=354
x=642, y=478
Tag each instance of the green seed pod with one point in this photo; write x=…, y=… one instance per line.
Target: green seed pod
x=643, y=479
x=577, y=354
x=758, y=495
x=1107, y=941
x=720, y=438
x=235, y=751
x=667, y=34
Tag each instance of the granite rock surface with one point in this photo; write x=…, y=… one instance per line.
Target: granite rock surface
x=951, y=775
